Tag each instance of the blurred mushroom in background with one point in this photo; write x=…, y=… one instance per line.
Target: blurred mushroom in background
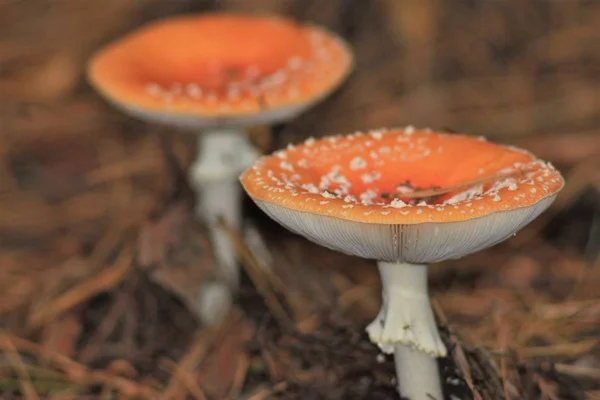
x=216, y=74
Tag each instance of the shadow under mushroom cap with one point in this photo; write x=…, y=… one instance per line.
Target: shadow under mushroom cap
x=356, y=193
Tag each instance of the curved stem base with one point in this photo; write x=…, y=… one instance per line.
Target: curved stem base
x=222, y=156
x=222, y=198
x=213, y=302
x=418, y=374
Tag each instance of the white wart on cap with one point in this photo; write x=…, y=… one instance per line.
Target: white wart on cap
x=220, y=69
x=403, y=195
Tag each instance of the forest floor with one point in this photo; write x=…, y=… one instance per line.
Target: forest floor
x=100, y=254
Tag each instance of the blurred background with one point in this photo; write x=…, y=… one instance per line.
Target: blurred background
x=98, y=252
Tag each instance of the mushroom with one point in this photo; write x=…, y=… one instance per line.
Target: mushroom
x=405, y=198
x=220, y=73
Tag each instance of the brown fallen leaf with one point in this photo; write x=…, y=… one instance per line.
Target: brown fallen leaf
x=60, y=336
x=103, y=281
x=40, y=77
x=12, y=355
x=177, y=253
x=220, y=373
x=557, y=350
x=157, y=236
x=577, y=371
x=568, y=148
x=180, y=383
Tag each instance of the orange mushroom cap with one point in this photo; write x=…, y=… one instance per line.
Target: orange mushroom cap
x=221, y=69
x=407, y=183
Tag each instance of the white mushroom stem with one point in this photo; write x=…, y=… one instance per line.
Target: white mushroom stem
x=213, y=301
x=406, y=327
x=222, y=155
x=417, y=373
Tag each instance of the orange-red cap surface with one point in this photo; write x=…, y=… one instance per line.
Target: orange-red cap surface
x=369, y=177
x=403, y=195
x=220, y=65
